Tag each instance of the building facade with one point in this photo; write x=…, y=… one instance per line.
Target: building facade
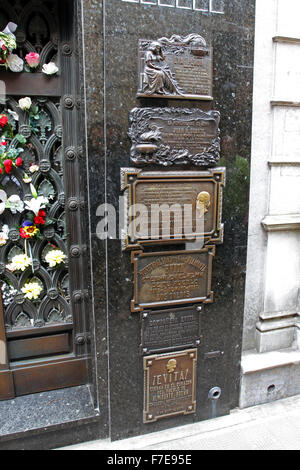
x=124, y=335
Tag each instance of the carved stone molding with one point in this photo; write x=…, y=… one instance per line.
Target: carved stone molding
x=75, y=251
x=73, y=204
x=68, y=101
x=70, y=153
x=67, y=49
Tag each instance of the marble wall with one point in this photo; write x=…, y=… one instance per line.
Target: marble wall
x=112, y=29
x=270, y=361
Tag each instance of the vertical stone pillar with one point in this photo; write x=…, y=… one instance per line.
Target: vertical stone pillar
x=271, y=346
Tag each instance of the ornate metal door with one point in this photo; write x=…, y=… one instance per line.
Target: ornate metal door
x=42, y=263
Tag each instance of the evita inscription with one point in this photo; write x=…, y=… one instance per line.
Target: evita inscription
x=170, y=385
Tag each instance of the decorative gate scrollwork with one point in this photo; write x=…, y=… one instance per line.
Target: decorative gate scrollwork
x=44, y=150
x=50, y=169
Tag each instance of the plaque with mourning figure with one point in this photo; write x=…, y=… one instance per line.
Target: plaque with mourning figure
x=169, y=385
x=174, y=136
x=176, y=67
x=172, y=278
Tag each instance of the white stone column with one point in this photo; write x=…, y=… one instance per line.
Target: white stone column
x=271, y=355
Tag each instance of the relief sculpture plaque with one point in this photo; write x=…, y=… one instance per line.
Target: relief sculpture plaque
x=174, y=136
x=171, y=329
x=177, y=67
x=172, y=207
x=169, y=385
x=171, y=278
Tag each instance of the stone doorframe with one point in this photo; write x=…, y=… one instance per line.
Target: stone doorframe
x=271, y=355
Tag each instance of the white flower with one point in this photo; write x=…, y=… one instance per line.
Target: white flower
x=13, y=114
x=25, y=103
x=36, y=204
x=3, y=198
x=32, y=290
x=19, y=263
x=15, y=204
x=55, y=257
x=50, y=69
x=4, y=235
x=34, y=168
x=27, y=178
x=15, y=63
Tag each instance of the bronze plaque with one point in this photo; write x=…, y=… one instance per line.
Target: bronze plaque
x=167, y=330
x=169, y=385
x=174, y=136
x=172, y=207
x=177, y=67
x=171, y=278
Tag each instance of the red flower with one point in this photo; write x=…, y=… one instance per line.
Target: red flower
x=23, y=233
x=7, y=165
x=1, y=171
x=19, y=161
x=4, y=143
x=39, y=219
x=3, y=120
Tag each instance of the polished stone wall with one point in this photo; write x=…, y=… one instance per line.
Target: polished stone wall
x=111, y=33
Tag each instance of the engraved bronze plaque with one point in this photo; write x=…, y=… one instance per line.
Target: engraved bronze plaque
x=172, y=207
x=171, y=278
x=167, y=330
x=174, y=136
x=177, y=67
x=169, y=385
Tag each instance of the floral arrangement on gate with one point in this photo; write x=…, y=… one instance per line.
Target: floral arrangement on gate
x=34, y=210
x=13, y=62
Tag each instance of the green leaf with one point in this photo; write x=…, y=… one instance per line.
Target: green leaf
x=33, y=191
x=21, y=139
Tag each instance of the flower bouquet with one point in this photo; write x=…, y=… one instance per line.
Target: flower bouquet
x=8, y=43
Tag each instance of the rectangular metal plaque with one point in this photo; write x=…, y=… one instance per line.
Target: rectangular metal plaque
x=172, y=207
x=171, y=278
x=169, y=385
x=174, y=136
x=166, y=330
x=177, y=67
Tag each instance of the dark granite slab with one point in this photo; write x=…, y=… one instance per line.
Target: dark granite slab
x=231, y=35
x=49, y=419
x=45, y=409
